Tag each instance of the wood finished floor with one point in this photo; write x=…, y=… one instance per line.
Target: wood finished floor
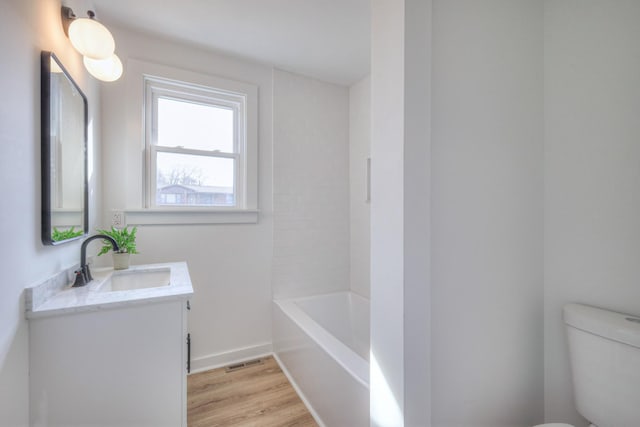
x=255, y=396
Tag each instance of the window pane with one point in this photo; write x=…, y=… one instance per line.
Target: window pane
x=184, y=179
x=196, y=126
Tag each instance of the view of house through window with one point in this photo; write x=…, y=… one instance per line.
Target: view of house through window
x=184, y=179
x=195, y=146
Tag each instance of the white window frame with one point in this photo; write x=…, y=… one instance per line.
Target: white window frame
x=156, y=88
x=137, y=207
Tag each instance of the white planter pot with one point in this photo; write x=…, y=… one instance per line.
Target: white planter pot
x=120, y=261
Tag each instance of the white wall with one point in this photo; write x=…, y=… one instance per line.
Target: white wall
x=311, y=186
x=487, y=213
x=359, y=152
x=400, y=217
x=387, y=134
x=230, y=265
x=592, y=173
x=26, y=28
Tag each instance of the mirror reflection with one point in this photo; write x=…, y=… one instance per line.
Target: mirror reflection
x=64, y=162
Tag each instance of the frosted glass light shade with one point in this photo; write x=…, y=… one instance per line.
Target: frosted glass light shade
x=91, y=38
x=107, y=70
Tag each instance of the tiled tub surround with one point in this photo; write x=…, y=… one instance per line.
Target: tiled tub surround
x=322, y=344
x=55, y=296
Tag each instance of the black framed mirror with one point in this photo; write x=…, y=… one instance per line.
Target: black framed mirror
x=65, y=190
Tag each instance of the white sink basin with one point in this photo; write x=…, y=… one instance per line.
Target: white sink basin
x=127, y=280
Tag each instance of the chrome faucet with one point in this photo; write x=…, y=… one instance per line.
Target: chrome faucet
x=83, y=275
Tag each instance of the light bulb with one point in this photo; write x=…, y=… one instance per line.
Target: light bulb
x=107, y=70
x=91, y=38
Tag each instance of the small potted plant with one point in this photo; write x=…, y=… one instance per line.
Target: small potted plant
x=126, y=241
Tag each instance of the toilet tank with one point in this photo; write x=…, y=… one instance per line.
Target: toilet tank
x=604, y=350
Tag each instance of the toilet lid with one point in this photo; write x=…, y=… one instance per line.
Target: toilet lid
x=554, y=425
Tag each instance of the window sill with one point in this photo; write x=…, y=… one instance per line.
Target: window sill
x=192, y=216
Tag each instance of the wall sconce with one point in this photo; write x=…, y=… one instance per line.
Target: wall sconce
x=95, y=43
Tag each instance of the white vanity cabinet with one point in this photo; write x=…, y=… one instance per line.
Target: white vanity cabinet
x=112, y=364
x=120, y=367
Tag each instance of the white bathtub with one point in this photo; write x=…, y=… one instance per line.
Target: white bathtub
x=322, y=344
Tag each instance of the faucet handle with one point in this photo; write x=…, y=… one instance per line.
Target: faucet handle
x=80, y=281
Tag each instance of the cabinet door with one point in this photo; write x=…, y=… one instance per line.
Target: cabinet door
x=121, y=366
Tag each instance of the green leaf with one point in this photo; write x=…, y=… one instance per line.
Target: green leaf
x=125, y=239
x=58, y=235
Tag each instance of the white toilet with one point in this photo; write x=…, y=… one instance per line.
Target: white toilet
x=604, y=349
x=554, y=425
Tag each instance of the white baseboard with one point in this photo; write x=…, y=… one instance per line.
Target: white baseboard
x=213, y=361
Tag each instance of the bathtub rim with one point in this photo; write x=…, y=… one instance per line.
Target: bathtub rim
x=346, y=357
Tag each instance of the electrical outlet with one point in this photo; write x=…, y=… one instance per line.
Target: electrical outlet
x=117, y=219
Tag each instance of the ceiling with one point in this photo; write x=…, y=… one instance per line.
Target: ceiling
x=326, y=39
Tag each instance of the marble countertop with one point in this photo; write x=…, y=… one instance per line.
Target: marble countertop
x=56, y=296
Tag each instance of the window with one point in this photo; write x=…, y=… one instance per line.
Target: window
x=200, y=150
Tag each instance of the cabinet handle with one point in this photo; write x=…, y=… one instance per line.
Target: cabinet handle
x=188, y=305
x=367, y=197
x=188, y=353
